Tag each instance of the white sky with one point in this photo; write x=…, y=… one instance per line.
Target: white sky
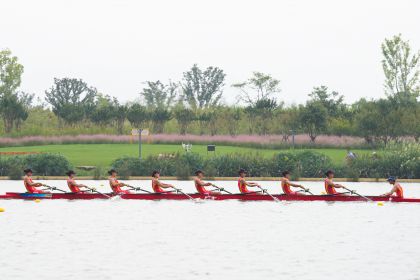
x=116, y=45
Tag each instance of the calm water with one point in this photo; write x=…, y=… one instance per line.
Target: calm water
x=211, y=240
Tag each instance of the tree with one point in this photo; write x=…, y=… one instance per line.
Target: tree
x=232, y=117
x=14, y=109
x=263, y=111
x=120, y=116
x=203, y=89
x=13, y=105
x=184, y=116
x=401, y=69
x=158, y=95
x=138, y=115
x=10, y=73
x=259, y=87
x=333, y=102
x=313, y=118
x=71, y=99
x=104, y=111
x=160, y=116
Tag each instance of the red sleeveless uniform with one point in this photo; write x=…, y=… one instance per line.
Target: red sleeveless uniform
x=156, y=188
x=31, y=189
x=399, y=192
x=286, y=188
x=328, y=188
x=117, y=189
x=201, y=189
x=73, y=188
x=242, y=187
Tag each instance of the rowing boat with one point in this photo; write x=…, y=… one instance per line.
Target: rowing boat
x=174, y=196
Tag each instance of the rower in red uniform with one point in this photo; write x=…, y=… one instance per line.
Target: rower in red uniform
x=30, y=185
x=286, y=184
x=200, y=185
x=158, y=186
x=396, y=188
x=115, y=185
x=243, y=184
x=73, y=186
x=330, y=186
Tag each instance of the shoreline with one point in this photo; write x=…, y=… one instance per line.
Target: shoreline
x=361, y=180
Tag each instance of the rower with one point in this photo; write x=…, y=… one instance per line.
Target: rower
x=30, y=185
x=158, y=186
x=330, y=186
x=286, y=184
x=396, y=188
x=200, y=185
x=73, y=186
x=115, y=185
x=243, y=184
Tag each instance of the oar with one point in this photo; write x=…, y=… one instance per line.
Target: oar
x=53, y=188
x=221, y=189
x=308, y=191
x=265, y=191
x=98, y=192
x=351, y=191
x=187, y=195
x=138, y=189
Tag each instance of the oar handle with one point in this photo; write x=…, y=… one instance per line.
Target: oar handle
x=138, y=189
x=221, y=189
x=354, y=192
x=53, y=188
x=98, y=192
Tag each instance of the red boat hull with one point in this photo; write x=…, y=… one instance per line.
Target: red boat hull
x=242, y=197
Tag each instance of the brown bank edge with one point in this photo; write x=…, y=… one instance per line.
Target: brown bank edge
x=362, y=180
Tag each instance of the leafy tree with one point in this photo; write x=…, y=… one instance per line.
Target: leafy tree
x=13, y=105
x=401, y=69
x=232, y=117
x=259, y=87
x=120, y=115
x=138, y=115
x=104, y=111
x=203, y=89
x=333, y=102
x=158, y=95
x=71, y=99
x=263, y=111
x=160, y=116
x=313, y=118
x=184, y=117
x=10, y=73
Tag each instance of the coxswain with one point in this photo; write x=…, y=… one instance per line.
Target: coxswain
x=243, y=184
x=73, y=186
x=200, y=185
x=30, y=185
x=157, y=185
x=115, y=185
x=396, y=188
x=286, y=184
x=330, y=186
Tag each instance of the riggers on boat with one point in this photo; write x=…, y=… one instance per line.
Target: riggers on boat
x=175, y=196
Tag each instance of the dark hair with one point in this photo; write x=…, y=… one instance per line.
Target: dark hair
x=329, y=172
x=112, y=171
x=155, y=172
x=70, y=172
x=198, y=172
x=242, y=171
x=26, y=171
x=284, y=173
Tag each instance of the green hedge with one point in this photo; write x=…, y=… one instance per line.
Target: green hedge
x=41, y=164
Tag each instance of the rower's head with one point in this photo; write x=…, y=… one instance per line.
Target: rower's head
x=286, y=174
x=330, y=174
x=242, y=172
x=113, y=172
x=70, y=173
x=155, y=174
x=391, y=179
x=199, y=174
x=28, y=172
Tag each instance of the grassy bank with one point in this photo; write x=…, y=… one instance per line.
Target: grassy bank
x=103, y=154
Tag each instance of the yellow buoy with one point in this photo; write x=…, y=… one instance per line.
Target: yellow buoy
x=323, y=193
x=380, y=204
x=37, y=200
x=2, y=210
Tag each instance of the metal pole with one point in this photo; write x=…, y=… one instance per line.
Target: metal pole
x=140, y=130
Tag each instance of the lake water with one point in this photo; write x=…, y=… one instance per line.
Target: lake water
x=122, y=239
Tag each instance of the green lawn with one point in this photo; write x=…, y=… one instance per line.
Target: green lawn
x=104, y=154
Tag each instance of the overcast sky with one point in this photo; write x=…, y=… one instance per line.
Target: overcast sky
x=115, y=45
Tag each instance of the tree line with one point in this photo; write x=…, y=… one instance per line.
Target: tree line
x=196, y=101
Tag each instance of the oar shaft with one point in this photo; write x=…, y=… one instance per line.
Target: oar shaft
x=367, y=198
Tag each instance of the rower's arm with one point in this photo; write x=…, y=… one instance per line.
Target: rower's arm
x=296, y=185
x=33, y=184
x=164, y=185
x=251, y=184
x=391, y=192
x=203, y=184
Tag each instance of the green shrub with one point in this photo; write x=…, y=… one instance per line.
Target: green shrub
x=15, y=172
